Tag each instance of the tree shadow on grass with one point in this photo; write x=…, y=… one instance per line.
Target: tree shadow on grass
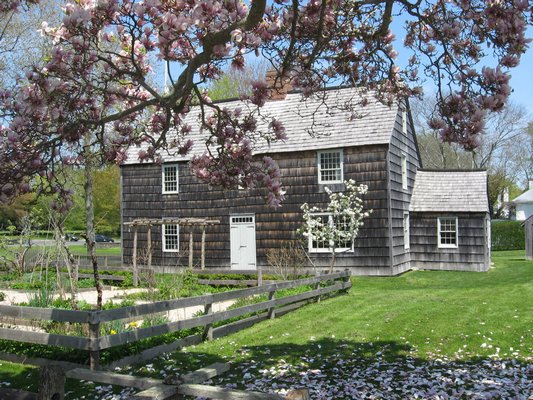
x=16, y=376
x=341, y=369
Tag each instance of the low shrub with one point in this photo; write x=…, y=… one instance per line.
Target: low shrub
x=507, y=235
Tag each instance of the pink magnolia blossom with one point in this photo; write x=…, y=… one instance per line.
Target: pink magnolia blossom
x=96, y=81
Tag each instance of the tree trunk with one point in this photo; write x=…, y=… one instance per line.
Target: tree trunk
x=70, y=263
x=89, y=230
x=333, y=259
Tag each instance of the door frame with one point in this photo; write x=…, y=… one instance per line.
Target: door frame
x=248, y=221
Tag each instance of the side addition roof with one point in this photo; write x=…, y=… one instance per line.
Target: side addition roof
x=450, y=191
x=320, y=122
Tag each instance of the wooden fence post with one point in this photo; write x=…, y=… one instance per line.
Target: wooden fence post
x=76, y=270
x=191, y=239
x=149, y=245
x=134, y=257
x=94, y=345
x=208, y=330
x=271, y=310
x=51, y=383
x=259, y=276
x=317, y=286
x=202, y=262
x=346, y=279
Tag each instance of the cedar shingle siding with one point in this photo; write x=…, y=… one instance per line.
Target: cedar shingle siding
x=274, y=227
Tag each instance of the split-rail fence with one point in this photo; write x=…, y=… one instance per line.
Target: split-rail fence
x=95, y=341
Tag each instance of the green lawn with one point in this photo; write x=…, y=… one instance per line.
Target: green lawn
x=417, y=318
x=81, y=249
x=76, y=249
x=422, y=312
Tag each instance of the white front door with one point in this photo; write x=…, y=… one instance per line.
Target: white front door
x=242, y=238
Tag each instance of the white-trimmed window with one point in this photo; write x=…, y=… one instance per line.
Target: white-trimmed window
x=404, y=121
x=406, y=230
x=171, y=237
x=404, y=171
x=488, y=233
x=330, y=165
x=324, y=246
x=448, y=232
x=170, y=178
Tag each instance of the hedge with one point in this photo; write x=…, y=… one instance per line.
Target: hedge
x=508, y=235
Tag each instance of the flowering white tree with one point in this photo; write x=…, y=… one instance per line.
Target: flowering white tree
x=338, y=224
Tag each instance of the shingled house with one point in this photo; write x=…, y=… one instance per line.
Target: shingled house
x=453, y=204
x=326, y=145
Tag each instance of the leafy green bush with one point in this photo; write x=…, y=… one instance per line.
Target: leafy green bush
x=42, y=297
x=508, y=235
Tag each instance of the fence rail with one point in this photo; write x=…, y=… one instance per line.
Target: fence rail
x=95, y=342
x=112, y=263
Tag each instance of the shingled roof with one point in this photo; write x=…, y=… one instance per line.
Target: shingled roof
x=450, y=191
x=311, y=124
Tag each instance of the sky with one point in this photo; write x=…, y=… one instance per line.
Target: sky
x=521, y=76
x=522, y=80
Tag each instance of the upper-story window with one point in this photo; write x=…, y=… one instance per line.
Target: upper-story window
x=447, y=231
x=404, y=121
x=404, y=171
x=330, y=165
x=170, y=179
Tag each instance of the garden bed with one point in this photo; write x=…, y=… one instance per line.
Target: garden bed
x=126, y=329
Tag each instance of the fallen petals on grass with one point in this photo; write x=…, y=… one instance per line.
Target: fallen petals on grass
x=403, y=378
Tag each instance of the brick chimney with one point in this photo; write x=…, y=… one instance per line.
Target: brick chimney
x=278, y=88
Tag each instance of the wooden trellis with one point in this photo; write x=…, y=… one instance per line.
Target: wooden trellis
x=201, y=222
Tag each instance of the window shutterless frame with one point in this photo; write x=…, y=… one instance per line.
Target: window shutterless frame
x=170, y=178
x=404, y=171
x=406, y=228
x=404, y=121
x=448, y=232
x=171, y=238
x=330, y=166
x=323, y=246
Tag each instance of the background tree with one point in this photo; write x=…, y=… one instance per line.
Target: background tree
x=237, y=83
x=503, y=149
x=435, y=153
x=21, y=44
x=107, y=200
x=12, y=214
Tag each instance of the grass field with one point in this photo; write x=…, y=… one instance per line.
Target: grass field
x=81, y=249
x=76, y=249
x=420, y=335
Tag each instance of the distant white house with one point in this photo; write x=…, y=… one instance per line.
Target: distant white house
x=524, y=204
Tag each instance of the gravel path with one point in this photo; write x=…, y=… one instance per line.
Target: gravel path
x=13, y=297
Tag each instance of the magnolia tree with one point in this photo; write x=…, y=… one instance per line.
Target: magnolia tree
x=94, y=96
x=337, y=225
